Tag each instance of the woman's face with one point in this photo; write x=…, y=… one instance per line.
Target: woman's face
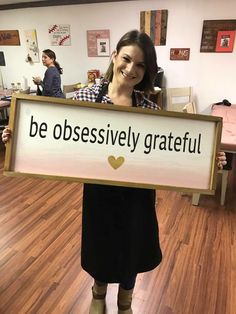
x=46, y=60
x=129, y=66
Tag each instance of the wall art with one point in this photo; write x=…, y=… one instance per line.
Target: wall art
x=59, y=35
x=32, y=45
x=98, y=43
x=154, y=24
x=179, y=53
x=210, y=32
x=225, y=41
x=9, y=38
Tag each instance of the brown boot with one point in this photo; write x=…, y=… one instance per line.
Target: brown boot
x=98, y=305
x=124, y=301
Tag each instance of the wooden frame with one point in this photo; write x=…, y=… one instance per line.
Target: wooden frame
x=225, y=41
x=62, y=139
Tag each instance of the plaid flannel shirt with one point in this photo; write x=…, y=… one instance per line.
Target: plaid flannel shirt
x=91, y=93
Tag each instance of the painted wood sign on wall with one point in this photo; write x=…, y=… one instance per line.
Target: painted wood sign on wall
x=98, y=43
x=154, y=24
x=9, y=38
x=210, y=32
x=179, y=53
x=59, y=34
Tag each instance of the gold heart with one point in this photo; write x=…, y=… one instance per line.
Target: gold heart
x=116, y=162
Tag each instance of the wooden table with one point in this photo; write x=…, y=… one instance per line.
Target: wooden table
x=228, y=144
x=228, y=138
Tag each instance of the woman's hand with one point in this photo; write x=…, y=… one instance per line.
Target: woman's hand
x=221, y=160
x=6, y=134
x=37, y=80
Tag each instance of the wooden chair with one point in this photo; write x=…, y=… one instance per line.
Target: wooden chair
x=190, y=107
x=178, y=98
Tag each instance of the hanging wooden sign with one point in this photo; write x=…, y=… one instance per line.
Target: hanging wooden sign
x=179, y=53
x=210, y=32
x=154, y=24
x=9, y=38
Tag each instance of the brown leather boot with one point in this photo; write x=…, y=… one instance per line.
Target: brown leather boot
x=124, y=301
x=98, y=305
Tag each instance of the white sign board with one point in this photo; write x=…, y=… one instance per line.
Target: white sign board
x=108, y=144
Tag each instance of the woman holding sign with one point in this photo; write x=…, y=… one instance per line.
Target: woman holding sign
x=120, y=231
x=119, y=228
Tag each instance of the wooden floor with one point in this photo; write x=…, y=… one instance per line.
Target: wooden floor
x=40, y=272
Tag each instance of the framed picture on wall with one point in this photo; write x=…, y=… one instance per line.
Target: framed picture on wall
x=59, y=34
x=98, y=43
x=225, y=41
x=103, y=47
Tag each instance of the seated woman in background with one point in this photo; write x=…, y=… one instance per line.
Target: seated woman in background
x=51, y=84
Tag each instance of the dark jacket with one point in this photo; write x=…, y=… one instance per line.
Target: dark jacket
x=52, y=83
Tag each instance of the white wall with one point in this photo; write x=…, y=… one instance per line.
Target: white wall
x=212, y=75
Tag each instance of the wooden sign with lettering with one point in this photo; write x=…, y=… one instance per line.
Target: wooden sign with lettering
x=9, y=38
x=72, y=140
x=210, y=32
x=179, y=53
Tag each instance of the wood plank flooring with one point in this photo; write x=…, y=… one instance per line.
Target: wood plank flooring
x=40, y=272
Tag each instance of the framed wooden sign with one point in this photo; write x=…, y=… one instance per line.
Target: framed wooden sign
x=210, y=32
x=98, y=43
x=109, y=144
x=9, y=38
x=179, y=53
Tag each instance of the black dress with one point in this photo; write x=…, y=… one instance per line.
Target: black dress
x=119, y=228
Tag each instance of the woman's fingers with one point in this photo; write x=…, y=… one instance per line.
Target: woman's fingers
x=6, y=134
x=221, y=160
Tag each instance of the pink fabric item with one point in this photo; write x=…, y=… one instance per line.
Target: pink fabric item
x=228, y=139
